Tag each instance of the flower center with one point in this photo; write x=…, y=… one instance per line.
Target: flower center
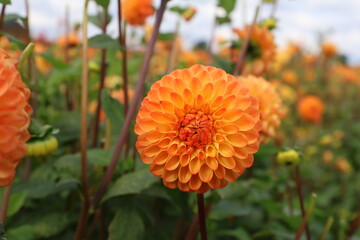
x=196, y=129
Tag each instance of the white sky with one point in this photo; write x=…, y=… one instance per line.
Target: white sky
x=299, y=20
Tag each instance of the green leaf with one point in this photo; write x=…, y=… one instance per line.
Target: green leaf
x=99, y=157
x=178, y=10
x=131, y=183
x=227, y=5
x=38, y=131
x=17, y=200
x=103, y=41
x=98, y=19
x=55, y=62
x=5, y=1
x=238, y=233
x=127, y=224
x=50, y=225
x=225, y=209
x=2, y=232
x=24, y=232
x=223, y=20
x=103, y=3
x=69, y=126
x=166, y=36
x=42, y=189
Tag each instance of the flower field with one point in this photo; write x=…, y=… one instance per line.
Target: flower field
x=135, y=135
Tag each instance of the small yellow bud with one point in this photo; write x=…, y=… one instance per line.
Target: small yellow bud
x=288, y=157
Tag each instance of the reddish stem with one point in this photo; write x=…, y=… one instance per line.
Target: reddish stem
x=241, y=58
x=122, y=41
x=201, y=214
x=5, y=203
x=301, y=199
x=102, y=83
x=2, y=16
x=133, y=107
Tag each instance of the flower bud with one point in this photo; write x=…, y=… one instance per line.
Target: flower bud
x=288, y=157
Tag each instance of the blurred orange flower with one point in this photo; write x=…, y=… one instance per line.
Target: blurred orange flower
x=270, y=105
x=288, y=76
x=198, y=128
x=343, y=165
x=329, y=50
x=69, y=40
x=136, y=11
x=311, y=108
x=264, y=39
x=14, y=118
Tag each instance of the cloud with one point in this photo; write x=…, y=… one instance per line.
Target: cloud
x=299, y=20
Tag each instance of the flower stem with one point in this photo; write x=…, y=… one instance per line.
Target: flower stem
x=102, y=83
x=83, y=138
x=201, y=212
x=241, y=58
x=2, y=15
x=328, y=225
x=5, y=203
x=122, y=41
x=306, y=218
x=301, y=199
x=133, y=107
x=174, y=48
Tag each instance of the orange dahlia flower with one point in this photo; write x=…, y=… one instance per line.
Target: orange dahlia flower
x=311, y=108
x=14, y=118
x=136, y=11
x=198, y=128
x=264, y=39
x=270, y=105
x=329, y=50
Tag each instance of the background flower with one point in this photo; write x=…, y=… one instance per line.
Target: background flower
x=136, y=11
x=311, y=108
x=198, y=128
x=271, y=109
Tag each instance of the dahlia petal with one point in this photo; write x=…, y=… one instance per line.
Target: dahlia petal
x=167, y=106
x=161, y=158
x=157, y=170
x=163, y=128
x=184, y=160
x=245, y=122
x=231, y=176
x=195, y=182
x=188, y=97
x=233, y=115
x=220, y=171
x=227, y=162
x=194, y=165
x=195, y=86
x=226, y=150
x=171, y=185
x=154, y=136
x=216, y=103
x=151, y=150
x=208, y=91
x=237, y=139
x=184, y=187
x=211, y=151
x=161, y=117
x=212, y=163
x=230, y=129
x=248, y=162
x=172, y=163
x=205, y=173
x=240, y=153
x=147, y=124
x=184, y=175
x=170, y=176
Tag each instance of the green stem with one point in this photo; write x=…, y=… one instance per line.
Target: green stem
x=327, y=227
x=83, y=138
x=307, y=216
x=25, y=54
